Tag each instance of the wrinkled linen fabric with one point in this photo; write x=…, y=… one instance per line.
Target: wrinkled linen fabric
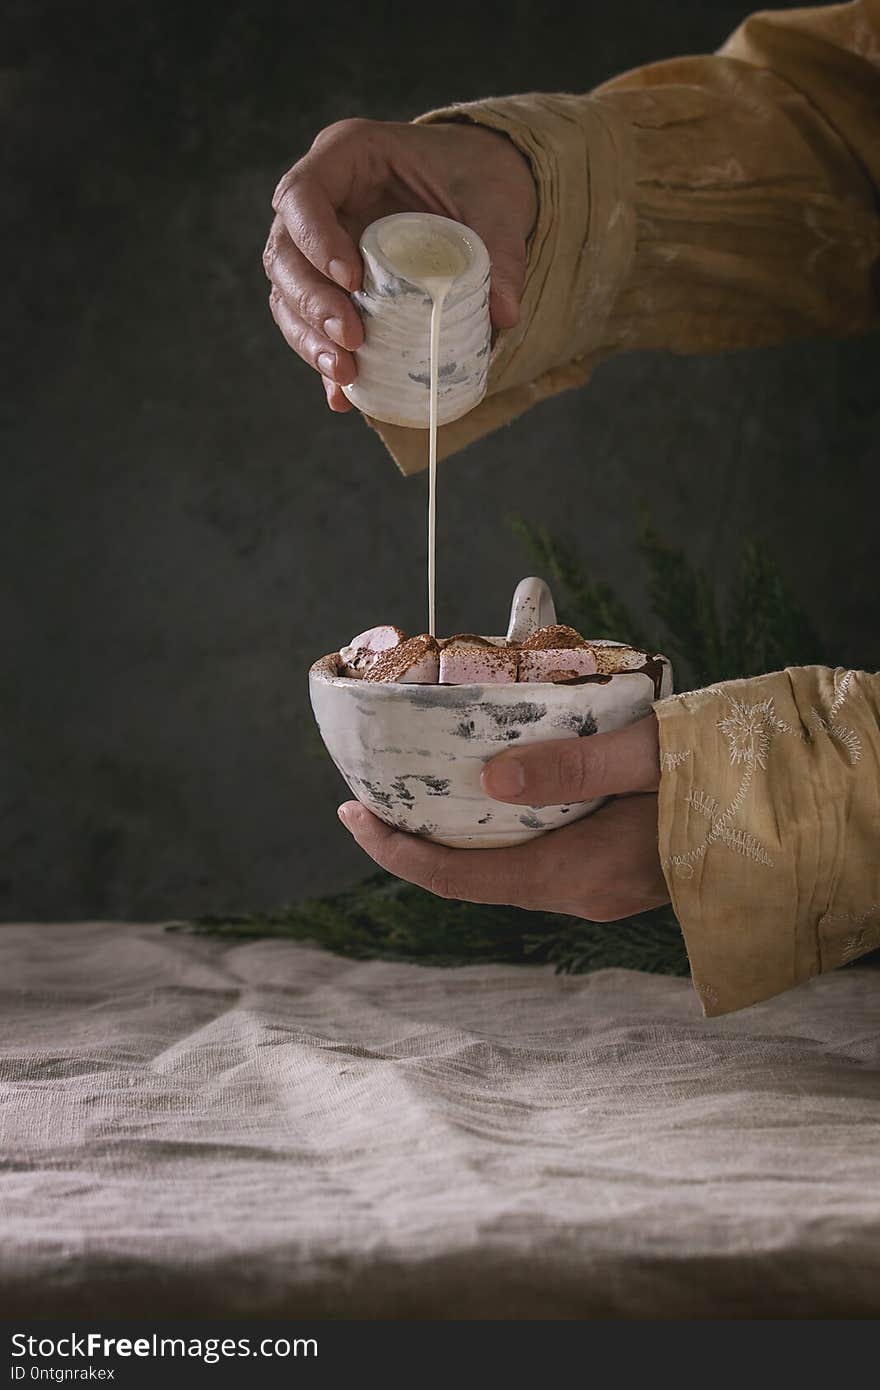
x=699, y=204
x=192, y=1126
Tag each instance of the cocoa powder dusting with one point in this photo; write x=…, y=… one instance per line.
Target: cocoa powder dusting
x=395, y=662
x=465, y=639
x=555, y=637
x=501, y=658
x=612, y=660
x=392, y=664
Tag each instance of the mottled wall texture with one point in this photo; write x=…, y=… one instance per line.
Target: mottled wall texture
x=186, y=526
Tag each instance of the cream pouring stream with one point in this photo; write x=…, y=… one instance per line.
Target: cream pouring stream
x=429, y=259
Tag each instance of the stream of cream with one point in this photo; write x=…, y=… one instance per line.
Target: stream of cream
x=438, y=290
x=434, y=261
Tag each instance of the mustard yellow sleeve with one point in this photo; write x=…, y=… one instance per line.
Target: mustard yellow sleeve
x=769, y=821
x=699, y=204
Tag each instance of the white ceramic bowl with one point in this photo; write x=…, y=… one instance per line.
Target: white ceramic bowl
x=413, y=753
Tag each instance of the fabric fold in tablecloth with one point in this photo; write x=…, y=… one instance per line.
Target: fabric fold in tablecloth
x=201, y=1127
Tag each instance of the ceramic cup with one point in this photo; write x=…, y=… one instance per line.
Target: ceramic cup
x=413, y=753
x=393, y=365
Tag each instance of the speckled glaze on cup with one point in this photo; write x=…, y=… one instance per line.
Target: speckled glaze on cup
x=413, y=753
x=393, y=365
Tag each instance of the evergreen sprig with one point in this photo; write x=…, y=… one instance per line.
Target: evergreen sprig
x=384, y=918
x=766, y=628
x=591, y=605
x=761, y=626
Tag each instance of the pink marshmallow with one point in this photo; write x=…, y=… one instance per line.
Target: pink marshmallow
x=413, y=662
x=363, y=650
x=424, y=670
x=476, y=663
x=556, y=664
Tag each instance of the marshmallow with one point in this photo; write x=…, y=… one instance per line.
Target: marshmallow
x=413, y=662
x=553, y=653
x=556, y=664
x=467, y=660
x=553, y=637
x=611, y=659
x=363, y=650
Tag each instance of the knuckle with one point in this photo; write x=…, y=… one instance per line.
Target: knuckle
x=308, y=238
x=307, y=345
x=308, y=304
x=270, y=250
x=296, y=336
x=350, y=127
x=286, y=184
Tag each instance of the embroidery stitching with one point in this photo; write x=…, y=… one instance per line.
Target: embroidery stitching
x=866, y=937
x=856, y=918
x=745, y=843
x=675, y=759
x=829, y=725
x=707, y=992
x=860, y=943
x=749, y=730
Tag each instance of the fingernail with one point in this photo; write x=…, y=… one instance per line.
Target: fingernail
x=340, y=272
x=504, y=777
x=343, y=813
x=326, y=363
x=335, y=329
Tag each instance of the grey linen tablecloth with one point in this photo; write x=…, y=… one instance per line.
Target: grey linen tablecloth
x=193, y=1126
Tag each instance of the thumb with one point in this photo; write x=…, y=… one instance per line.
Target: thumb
x=577, y=769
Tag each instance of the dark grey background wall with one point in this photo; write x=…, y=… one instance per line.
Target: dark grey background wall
x=185, y=525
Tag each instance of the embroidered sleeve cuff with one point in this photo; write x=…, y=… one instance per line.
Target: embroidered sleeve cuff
x=769, y=830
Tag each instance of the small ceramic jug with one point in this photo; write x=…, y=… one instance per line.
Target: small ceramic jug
x=393, y=365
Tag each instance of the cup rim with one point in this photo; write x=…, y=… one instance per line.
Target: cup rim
x=478, y=255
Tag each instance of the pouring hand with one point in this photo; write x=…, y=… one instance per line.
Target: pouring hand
x=359, y=170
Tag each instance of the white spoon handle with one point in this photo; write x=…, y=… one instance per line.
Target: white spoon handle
x=532, y=607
